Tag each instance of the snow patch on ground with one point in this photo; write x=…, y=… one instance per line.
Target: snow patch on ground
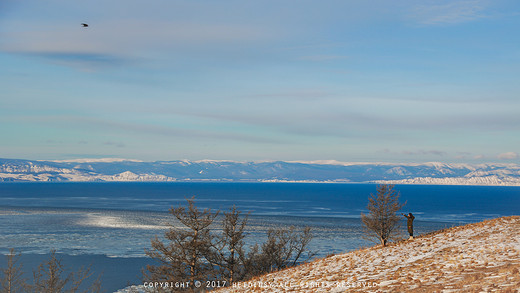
x=481, y=257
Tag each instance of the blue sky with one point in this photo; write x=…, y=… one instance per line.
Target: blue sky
x=388, y=81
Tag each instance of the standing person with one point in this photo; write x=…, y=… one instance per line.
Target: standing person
x=409, y=223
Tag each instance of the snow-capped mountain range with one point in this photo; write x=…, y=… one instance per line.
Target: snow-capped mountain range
x=208, y=170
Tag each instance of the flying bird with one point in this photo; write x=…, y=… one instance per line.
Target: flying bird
x=84, y=25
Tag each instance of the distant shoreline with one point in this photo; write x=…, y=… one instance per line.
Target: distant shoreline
x=433, y=173
x=256, y=182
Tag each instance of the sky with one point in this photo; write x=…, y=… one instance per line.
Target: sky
x=306, y=80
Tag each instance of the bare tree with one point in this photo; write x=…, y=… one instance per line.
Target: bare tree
x=284, y=247
x=382, y=220
x=13, y=280
x=192, y=253
x=185, y=256
x=250, y=261
x=50, y=278
x=229, y=247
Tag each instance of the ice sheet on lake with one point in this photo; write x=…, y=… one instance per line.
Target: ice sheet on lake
x=104, y=221
x=128, y=233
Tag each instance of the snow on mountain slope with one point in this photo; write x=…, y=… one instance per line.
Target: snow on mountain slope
x=486, y=180
x=210, y=170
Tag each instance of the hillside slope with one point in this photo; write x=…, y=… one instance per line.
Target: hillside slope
x=477, y=257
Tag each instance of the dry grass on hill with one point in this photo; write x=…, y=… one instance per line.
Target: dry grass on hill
x=479, y=257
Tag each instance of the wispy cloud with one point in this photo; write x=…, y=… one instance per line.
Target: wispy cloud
x=508, y=156
x=425, y=152
x=112, y=43
x=94, y=124
x=116, y=144
x=449, y=12
x=81, y=60
x=323, y=58
x=294, y=94
x=334, y=77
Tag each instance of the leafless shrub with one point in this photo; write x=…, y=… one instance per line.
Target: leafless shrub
x=185, y=256
x=50, y=278
x=228, y=249
x=195, y=253
x=284, y=247
x=13, y=280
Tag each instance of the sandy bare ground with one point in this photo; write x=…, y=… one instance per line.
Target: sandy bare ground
x=480, y=257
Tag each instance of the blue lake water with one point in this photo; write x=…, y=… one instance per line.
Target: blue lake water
x=119, y=219
x=442, y=203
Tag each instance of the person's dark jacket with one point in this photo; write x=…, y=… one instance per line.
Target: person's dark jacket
x=409, y=222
